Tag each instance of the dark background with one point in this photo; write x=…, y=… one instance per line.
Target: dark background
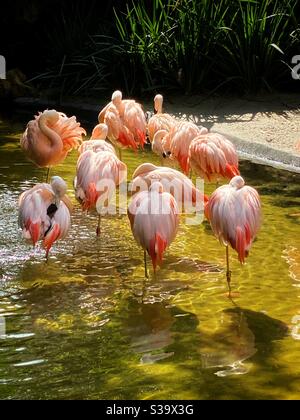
x=50, y=48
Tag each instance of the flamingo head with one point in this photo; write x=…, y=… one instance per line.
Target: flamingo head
x=158, y=104
x=157, y=144
x=50, y=116
x=59, y=188
x=116, y=97
x=237, y=182
x=144, y=169
x=100, y=132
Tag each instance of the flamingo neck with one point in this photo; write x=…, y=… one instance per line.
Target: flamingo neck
x=159, y=108
x=55, y=140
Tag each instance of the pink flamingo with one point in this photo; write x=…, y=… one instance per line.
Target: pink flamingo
x=160, y=120
x=178, y=141
x=234, y=212
x=97, y=141
x=44, y=213
x=126, y=122
x=154, y=222
x=50, y=137
x=173, y=181
x=98, y=174
x=212, y=157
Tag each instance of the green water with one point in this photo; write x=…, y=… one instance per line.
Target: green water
x=87, y=324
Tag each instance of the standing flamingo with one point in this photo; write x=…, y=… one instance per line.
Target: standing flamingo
x=44, y=213
x=97, y=141
x=176, y=183
x=178, y=142
x=154, y=222
x=50, y=137
x=212, y=157
x=234, y=212
x=126, y=122
x=98, y=174
x=160, y=120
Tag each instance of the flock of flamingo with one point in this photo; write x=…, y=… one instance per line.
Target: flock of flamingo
x=233, y=210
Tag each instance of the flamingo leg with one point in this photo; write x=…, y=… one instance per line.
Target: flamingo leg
x=191, y=175
x=48, y=174
x=145, y=263
x=228, y=272
x=98, y=230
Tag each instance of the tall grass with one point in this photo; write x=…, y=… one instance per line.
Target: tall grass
x=188, y=46
x=203, y=44
x=254, y=47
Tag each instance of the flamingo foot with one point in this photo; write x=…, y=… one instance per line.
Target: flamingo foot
x=232, y=295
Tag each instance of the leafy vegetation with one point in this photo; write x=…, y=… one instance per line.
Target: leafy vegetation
x=188, y=46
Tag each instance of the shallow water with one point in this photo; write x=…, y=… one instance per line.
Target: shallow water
x=88, y=325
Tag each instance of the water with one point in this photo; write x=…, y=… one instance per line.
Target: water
x=88, y=325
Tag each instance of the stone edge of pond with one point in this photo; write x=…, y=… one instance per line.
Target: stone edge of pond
x=255, y=152
x=265, y=155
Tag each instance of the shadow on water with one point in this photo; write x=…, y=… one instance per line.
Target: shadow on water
x=246, y=341
x=271, y=181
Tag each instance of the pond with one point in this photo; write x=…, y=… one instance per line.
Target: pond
x=88, y=325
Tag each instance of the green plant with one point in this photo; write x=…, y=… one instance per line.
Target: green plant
x=189, y=46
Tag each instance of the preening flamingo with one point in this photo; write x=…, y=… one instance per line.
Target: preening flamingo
x=99, y=173
x=234, y=212
x=160, y=120
x=44, y=213
x=159, y=145
x=212, y=157
x=126, y=122
x=154, y=222
x=174, y=182
x=97, y=141
x=177, y=142
x=50, y=137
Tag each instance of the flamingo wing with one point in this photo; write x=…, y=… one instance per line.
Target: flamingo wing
x=59, y=227
x=94, y=169
x=181, y=137
x=209, y=161
x=135, y=121
x=70, y=132
x=154, y=221
x=33, y=205
x=117, y=131
x=235, y=217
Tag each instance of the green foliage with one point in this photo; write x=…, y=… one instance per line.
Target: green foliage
x=185, y=45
